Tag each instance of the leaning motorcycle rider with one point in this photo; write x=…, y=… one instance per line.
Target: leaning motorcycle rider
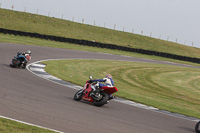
x=108, y=81
x=27, y=54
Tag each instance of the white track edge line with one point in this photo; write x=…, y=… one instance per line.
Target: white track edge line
x=30, y=124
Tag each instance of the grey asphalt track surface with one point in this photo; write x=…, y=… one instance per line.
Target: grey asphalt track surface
x=29, y=98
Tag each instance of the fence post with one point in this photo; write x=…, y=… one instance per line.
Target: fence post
x=142, y=32
x=114, y=26
x=0, y=5
x=12, y=7
x=168, y=38
x=25, y=9
x=133, y=30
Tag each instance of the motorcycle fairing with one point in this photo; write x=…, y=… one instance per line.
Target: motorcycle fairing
x=86, y=94
x=16, y=58
x=109, y=90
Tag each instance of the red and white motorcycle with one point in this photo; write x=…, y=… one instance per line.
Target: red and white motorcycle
x=97, y=98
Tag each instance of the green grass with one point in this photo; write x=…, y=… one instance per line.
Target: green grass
x=58, y=27
x=8, y=126
x=166, y=87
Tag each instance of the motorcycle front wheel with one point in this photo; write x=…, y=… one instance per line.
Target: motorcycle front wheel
x=102, y=101
x=197, y=127
x=78, y=95
x=16, y=63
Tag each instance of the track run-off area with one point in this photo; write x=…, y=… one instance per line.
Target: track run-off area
x=26, y=97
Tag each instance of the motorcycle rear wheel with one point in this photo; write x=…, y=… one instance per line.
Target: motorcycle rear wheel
x=78, y=95
x=102, y=101
x=197, y=127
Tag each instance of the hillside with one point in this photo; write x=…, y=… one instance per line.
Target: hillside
x=52, y=26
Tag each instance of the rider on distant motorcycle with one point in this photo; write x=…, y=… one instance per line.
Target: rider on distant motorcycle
x=108, y=81
x=27, y=54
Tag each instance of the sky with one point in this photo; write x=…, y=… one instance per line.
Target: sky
x=172, y=20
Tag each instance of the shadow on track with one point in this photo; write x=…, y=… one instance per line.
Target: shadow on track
x=7, y=65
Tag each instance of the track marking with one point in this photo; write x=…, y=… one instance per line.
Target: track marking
x=30, y=124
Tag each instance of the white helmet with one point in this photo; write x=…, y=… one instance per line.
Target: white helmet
x=28, y=52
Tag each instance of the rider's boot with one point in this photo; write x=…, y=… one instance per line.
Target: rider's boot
x=24, y=66
x=111, y=97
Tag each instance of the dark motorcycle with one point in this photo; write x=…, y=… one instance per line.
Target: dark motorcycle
x=197, y=127
x=97, y=98
x=19, y=60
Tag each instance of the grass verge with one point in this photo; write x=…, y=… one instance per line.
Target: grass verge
x=9, y=126
x=166, y=87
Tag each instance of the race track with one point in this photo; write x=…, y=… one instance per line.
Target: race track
x=29, y=98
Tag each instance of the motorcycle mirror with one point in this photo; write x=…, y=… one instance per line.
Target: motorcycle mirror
x=90, y=77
